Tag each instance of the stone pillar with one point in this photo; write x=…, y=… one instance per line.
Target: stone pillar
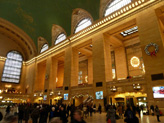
x=53, y=74
x=30, y=80
x=121, y=63
x=102, y=67
x=47, y=81
x=70, y=69
x=90, y=70
x=149, y=32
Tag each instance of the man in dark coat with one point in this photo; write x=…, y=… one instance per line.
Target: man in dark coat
x=63, y=115
x=77, y=117
x=1, y=116
x=35, y=115
x=20, y=113
x=26, y=114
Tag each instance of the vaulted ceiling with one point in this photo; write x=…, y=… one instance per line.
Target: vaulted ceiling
x=36, y=17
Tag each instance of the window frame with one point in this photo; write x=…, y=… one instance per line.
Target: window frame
x=43, y=46
x=77, y=25
x=107, y=7
x=58, y=36
x=19, y=69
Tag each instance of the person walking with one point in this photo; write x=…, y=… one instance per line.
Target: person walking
x=7, y=110
x=1, y=116
x=94, y=108
x=111, y=115
x=99, y=108
x=35, y=115
x=157, y=113
x=26, y=114
x=91, y=110
x=138, y=110
x=63, y=115
x=84, y=111
x=129, y=115
x=152, y=110
x=120, y=111
x=20, y=113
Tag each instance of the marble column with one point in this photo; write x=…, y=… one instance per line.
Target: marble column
x=102, y=67
x=71, y=67
x=90, y=70
x=120, y=63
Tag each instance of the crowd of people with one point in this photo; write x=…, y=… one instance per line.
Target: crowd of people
x=43, y=114
x=60, y=113
x=129, y=114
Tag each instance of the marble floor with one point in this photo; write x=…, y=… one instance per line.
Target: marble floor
x=101, y=118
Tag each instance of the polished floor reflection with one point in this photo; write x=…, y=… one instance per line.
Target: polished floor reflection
x=101, y=118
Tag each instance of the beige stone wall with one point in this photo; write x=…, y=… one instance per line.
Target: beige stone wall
x=149, y=31
x=100, y=61
x=41, y=76
x=60, y=76
x=121, y=63
x=30, y=78
x=7, y=45
x=13, y=38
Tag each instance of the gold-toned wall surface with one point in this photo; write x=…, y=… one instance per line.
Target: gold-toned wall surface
x=41, y=74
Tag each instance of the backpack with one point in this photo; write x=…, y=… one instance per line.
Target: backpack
x=130, y=114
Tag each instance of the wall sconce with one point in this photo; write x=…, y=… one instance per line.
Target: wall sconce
x=86, y=79
x=8, y=86
x=136, y=86
x=59, y=93
x=40, y=94
x=113, y=89
x=51, y=93
x=56, y=79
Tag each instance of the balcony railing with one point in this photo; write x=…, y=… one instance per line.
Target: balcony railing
x=82, y=86
x=126, y=80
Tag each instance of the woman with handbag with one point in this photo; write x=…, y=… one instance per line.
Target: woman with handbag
x=111, y=115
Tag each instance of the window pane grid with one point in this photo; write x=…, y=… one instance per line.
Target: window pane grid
x=44, y=48
x=61, y=37
x=83, y=24
x=12, y=68
x=130, y=31
x=116, y=5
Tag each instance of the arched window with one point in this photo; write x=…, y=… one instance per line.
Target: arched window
x=60, y=38
x=12, y=68
x=83, y=24
x=116, y=5
x=44, y=48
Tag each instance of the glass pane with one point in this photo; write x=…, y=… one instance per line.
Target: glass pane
x=12, y=69
x=44, y=48
x=83, y=24
x=116, y=5
x=61, y=37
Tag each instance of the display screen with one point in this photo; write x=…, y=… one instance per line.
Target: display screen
x=158, y=92
x=65, y=96
x=99, y=95
x=45, y=97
